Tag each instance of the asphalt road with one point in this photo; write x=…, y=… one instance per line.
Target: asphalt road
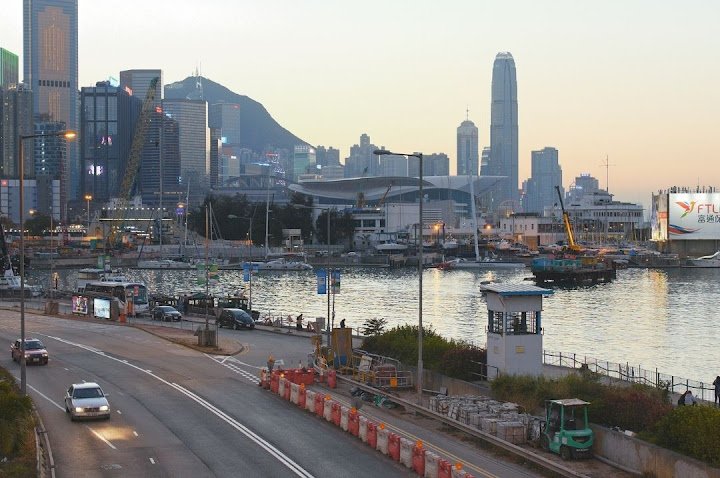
x=177, y=412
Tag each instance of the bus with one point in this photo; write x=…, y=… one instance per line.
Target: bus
x=121, y=290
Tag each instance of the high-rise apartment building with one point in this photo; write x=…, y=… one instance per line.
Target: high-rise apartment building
x=161, y=159
x=138, y=83
x=503, y=131
x=16, y=119
x=303, y=159
x=50, y=152
x=192, y=119
x=50, y=68
x=8, y=68
x=327, y=156
x=467, y=149
x=362, y=161
x=436, y=164
x=546, y=174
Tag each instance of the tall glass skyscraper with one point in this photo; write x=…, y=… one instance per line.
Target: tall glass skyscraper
x=546, y=174
x=8, y=68
x=504, y=131
x=467, y=149
x=50, y=68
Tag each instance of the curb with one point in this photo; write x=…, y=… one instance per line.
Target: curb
x=45, y=460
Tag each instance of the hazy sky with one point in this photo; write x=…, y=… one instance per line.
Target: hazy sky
x=638, y=81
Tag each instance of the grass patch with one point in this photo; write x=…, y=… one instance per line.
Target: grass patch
x=17, y=443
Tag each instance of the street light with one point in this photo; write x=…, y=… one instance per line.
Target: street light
x=419, y=156
x=88, y=198
x=69, y=136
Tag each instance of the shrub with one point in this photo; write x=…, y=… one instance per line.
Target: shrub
x=462, y=361
x=16, y=423
x=693, y=431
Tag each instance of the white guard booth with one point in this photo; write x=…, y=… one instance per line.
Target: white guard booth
x=514, y=329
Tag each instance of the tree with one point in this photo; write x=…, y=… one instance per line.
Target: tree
x=374, y=326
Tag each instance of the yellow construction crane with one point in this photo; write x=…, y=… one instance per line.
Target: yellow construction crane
x=572, y=245
x=133, y=166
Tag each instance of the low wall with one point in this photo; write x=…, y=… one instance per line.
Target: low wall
x=435, y=381
x=647, y=459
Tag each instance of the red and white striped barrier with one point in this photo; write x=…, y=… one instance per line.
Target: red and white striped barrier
x=382, y=439
x=310, y=401
x=406, y=447
x=394, y=446
x=344, y=416
x=418, y=458
x=286, y=395
x=294, y=393
x=327, y=409
x=372, y=434
x=302, y=395
x=319, y=404
x=458, y=472
x=353, y=422
x=444, y=469
x=362, y=428
x=281, y=386
x=431, y=464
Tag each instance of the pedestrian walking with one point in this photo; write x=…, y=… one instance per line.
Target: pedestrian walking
x=717, y=390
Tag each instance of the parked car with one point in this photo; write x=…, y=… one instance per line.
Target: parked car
x=235, y=319
x=35, y=352
x=166, y=313
x=86, y=400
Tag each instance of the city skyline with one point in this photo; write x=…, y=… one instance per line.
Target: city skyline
x=614, y=79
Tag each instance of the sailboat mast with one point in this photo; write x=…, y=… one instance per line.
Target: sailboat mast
x=267, y=212
x=207, y=263
x=473, y=211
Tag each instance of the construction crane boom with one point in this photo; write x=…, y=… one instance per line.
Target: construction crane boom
x=133, y=163
x=572, y=245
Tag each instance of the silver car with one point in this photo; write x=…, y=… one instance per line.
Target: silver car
x=86, y=400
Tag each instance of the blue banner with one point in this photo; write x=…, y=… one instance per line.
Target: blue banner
x=335, y=282
x=321, y=281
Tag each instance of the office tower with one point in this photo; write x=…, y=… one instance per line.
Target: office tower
x=50, y=152
x=108, y=116
x=303, y=159
x=216, y=144
x=467, y=149
x=138, y=83
x=8, y=68
x=485, y=159
x=546, y=174
x=161, y=153
x=393, y=165
x=16, y=119
x=226, y=117
x=50, y=68
x=504, y=131
x=585, y=184
x=192, y=116
x=436, y=164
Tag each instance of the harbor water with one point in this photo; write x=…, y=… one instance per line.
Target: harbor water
x=665, y=319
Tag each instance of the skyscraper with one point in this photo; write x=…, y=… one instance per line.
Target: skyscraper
x=8, y=68
x=15, y=119
x=546, y=175
x=50, y=68
x=504, y=130
x=467, y=149
x=138, y=82
x=226, y=117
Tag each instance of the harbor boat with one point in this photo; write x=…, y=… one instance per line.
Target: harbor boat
x=712, y=260
x=489, y=263
x=283, y=264
x=10, y=286
x=165, y=264
x=581, y=270
x=391, y=247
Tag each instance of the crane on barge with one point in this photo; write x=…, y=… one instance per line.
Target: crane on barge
x=572, y=245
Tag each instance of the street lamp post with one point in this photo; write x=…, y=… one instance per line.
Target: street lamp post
x=419, y=156
x=88, y=198
x=68, y=135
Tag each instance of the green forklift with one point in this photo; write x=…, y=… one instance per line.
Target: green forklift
x=566, y=430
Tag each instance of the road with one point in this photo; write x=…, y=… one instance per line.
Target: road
x=179, y=412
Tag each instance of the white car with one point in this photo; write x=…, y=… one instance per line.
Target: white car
x=86, y=400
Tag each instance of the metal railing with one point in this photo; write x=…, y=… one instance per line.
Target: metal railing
x=630, y=373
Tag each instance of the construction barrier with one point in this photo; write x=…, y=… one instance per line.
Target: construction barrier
x=394, y=446
x=294, y=392
x=327, y=409
x=431, y=464
x=353, y=422
x=406, y=449
x=444, y=469
x=382, y=440
x=458, y=472
x=281, y=386
x=344, y=416
x=274, y=382
x=306, y=376
x=290, y=374
x=335, y=413
x=310, y=401
x=332, y=378
x=302, y=395
x=371, y=434
x=418, y=459
x=363, y=428
x=286, y=395
x=263, y=378
x=319, y=404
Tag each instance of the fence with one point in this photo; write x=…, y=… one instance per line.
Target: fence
x=629, y=373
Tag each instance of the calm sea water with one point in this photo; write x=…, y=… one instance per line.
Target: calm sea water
x=664, y=319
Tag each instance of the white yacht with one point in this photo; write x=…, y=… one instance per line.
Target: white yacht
x=712, y=260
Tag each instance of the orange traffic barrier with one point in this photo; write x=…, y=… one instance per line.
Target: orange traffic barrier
x=319, y=404
x=274, y=382
x=335, y=413
x=294, y=392
x=444, y=469
x=286, y=394
x=394, y=446
x=310, y=401
x=344, y=417
x=290, y=374
x=362, y=428
x=263, y=378
x=354, y=422
x=302, y=396
x=418, y=458
x=332, y=378
x=382, y=439
x=327, y=409
x=372, y=435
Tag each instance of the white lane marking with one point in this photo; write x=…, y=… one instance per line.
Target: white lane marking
x=232, y=366
x=135, y=433
x=46, y=397
x=102, y=438
x=119, y=412
x=66, y=369
x=261, y=442
x=152, y=461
